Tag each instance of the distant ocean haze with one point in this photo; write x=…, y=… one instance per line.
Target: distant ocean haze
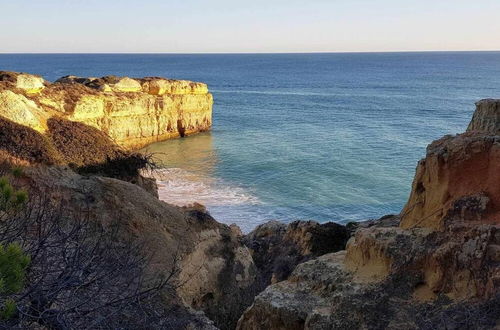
x=330, y=137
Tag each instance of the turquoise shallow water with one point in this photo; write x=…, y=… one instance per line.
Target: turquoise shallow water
x=302, y=136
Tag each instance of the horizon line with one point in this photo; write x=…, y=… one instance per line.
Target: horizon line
x=250, y=53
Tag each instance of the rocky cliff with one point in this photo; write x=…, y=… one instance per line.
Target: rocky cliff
x=212, y=271
x=132, y=112
x=459, y=176
x=435, y=266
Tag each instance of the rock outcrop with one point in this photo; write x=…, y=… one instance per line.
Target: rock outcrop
x=28, y=83
x=460, y=175
x=438, y=267
x=486, y=119
x=213, y=271
x=132, y=112
x=277, y=247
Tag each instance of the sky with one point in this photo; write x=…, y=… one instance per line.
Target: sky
x=258, y=26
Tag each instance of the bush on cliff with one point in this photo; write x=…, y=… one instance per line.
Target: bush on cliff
x=90, y=151
x=23, y=143
x=80, y=144
x=84, y=148
x=13, y=264
x=13, y=260
x=62, y=270
x=124, y=167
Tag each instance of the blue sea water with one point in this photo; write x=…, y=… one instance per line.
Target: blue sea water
x=330, y=137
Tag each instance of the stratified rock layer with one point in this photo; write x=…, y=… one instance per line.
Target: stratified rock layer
x=132, y=112
x=437, y=268
x=460, y=175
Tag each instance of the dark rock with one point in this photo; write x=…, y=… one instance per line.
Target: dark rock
x=277, y=248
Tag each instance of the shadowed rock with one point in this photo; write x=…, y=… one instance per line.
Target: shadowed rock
x=214, y=273
x=486, y=119
x=277, y=248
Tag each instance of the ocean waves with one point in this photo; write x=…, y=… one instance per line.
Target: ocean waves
x=180, y=187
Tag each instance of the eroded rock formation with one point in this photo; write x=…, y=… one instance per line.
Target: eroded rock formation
x=460, y=175
x=486, y=119
x=435, y=266
x=132, y=112
x=277, y=247
x=214, y=271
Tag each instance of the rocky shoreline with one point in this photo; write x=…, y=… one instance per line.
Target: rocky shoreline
x=436, y=265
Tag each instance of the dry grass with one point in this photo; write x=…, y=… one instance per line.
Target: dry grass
x=27, y=144
x=80, y=144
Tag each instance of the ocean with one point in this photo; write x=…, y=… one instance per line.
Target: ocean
x=328, y=137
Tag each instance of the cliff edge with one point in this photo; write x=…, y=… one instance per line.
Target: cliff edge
x=131, y=112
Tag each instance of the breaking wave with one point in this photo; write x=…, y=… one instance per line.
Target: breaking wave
x=180, y=187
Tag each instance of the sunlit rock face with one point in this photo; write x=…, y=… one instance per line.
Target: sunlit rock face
x=28, y=83
x=21, y=109
x=460, y=175
x=132, y=112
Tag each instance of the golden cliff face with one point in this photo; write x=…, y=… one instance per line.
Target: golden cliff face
x=459, y=178
x=132, y=112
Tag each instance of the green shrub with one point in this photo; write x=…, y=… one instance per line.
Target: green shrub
x=9, y=197
x=3, y=182
x=7, y=192
x=13, y=260
x=13, y=264
x=20, y=197
x=9, y=309
x=17, y=171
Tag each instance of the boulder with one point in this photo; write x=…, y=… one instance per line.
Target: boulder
x=31, y=84
x=125, y=84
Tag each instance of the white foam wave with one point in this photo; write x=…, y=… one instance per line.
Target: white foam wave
x=180, y=187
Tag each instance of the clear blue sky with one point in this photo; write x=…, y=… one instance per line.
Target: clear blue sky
x=196, y=26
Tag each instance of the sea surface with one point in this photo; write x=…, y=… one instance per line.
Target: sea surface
x=330, y=137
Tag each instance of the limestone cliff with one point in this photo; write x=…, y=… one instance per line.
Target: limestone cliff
x=434, y=266
x=213, y=271
x=459, y=176
x=132, y=112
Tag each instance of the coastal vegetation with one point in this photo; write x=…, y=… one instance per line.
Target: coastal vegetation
x=64, y=270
